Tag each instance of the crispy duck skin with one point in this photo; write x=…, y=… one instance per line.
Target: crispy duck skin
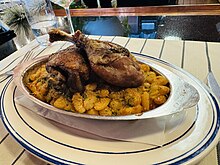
x=59, y=35
x=112, y=62
x=70, y=63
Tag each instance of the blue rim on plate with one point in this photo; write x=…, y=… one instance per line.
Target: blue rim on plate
x=208, y=139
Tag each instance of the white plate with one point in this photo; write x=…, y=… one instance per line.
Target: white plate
x=194, y=138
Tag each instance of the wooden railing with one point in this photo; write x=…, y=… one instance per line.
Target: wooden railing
x=171, y=10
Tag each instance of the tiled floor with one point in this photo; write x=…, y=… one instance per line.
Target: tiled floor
x=198, y=28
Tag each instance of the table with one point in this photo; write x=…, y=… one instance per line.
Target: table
x=190, y=55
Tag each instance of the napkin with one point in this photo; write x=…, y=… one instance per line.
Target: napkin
x=147, y=131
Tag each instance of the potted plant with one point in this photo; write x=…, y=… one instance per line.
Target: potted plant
x=14, y=17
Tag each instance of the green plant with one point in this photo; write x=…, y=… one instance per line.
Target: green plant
x=126, y=26
x=15, y=18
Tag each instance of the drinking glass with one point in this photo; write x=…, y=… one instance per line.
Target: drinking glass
x=66, y=5
x=41, y=18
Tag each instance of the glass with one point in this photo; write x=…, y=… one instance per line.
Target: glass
x=41, y=18
x=66, y=5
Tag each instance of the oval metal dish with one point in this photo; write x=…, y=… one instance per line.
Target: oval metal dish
x=182, y=95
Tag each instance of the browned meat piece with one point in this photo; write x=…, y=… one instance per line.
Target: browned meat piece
x=112, y=62
x=70, y=63
x=58, y=35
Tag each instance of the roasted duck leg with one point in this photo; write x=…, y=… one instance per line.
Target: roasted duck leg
x=112, y=62
x=76, y=73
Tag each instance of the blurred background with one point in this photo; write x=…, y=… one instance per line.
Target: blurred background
x=15, y=31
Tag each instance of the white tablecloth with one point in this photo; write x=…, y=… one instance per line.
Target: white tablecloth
x=190, y=55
